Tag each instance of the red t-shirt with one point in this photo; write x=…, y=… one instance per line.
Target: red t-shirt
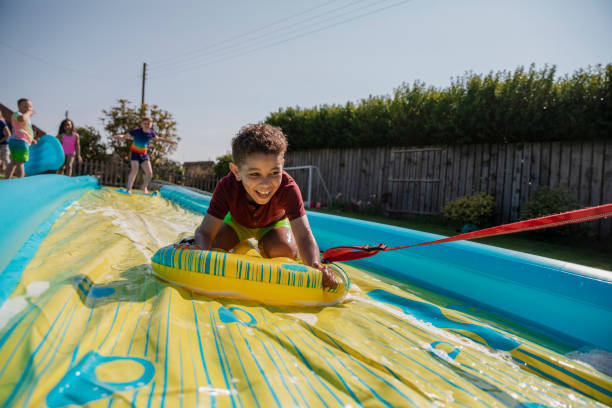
x=230, y=196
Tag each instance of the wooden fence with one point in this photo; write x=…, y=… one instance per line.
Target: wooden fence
x=421, y=180
x=116, y=174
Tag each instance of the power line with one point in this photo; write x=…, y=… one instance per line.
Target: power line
x=268, y=25
x=223, y=59
x=52, y=64
x=288, y=29
x=211, y=50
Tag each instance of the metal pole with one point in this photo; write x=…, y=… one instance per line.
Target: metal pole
x=309, y=185
x=324, y=186
x=144, y=77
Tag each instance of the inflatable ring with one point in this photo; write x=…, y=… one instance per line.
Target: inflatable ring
x=244, y=274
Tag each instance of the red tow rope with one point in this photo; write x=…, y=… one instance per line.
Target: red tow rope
x=349, y=253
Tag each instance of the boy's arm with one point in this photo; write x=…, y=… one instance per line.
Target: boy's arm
x=25, y=115
x=205, y=233
x=78, y=148
x=122, y=136
x=309, y=250
x=163, y=139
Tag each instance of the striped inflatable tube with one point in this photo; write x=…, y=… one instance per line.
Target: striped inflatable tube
x=244, y=274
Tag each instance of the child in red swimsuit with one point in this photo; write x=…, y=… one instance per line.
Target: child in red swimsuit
x=258, y=199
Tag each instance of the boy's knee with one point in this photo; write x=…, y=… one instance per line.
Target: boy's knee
x=284, y=250
x=279, y=243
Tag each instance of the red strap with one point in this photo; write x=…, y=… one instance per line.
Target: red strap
x=348, y=253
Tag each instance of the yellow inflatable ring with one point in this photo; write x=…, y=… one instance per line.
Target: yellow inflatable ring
x=244, y=274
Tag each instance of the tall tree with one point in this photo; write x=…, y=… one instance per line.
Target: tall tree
x=124, y=117
x=92, y=146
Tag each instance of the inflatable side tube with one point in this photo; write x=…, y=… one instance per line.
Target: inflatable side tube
x=568, y=300
x=186, y=198
x=27, y=203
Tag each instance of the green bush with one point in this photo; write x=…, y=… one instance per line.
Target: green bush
x=547, y=201
x=476, y=209
x=524, y=105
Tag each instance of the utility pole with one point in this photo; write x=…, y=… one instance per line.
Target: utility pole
x=144, y=78
x=66, y=114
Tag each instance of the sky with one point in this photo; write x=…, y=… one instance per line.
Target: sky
x=218, y=65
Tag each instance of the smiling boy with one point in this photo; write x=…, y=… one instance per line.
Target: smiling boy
x=257, y=199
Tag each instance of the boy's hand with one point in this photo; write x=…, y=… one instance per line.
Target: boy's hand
x=329, y=278
x=187, y=243
x=181, y=245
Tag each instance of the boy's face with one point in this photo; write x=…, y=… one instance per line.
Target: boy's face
x=260, y=174
x=25, y=106
x=146, y=125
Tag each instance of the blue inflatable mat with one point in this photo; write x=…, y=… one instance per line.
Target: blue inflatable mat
x=45, y=155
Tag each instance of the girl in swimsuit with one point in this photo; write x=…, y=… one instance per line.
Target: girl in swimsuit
x=71, y=145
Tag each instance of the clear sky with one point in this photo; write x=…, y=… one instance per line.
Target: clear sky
x=218, y=65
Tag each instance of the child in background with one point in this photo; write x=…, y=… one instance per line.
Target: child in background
x=5, y=133
x=142, y=136
x=71, y=145
x=258, y=199
x=23, y=137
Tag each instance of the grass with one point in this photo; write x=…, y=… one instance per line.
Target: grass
x=570, y=249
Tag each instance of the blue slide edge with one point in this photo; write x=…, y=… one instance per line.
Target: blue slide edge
x=29, y=206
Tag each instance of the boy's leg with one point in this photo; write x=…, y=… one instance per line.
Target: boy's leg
x=10, y=169
x=148, y=171
x=226, y=238
x=278, y=242
x=4, y=156
x=132, y=175
x=19, y=154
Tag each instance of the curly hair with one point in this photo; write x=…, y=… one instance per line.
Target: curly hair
x=258, y=138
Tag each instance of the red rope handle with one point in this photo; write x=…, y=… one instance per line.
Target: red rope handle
x=348, y=253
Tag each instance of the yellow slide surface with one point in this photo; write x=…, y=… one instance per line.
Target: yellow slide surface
x=89, y=324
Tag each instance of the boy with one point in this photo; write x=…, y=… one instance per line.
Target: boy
x=258, y=199
x=23, y=137
x=142, y=136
